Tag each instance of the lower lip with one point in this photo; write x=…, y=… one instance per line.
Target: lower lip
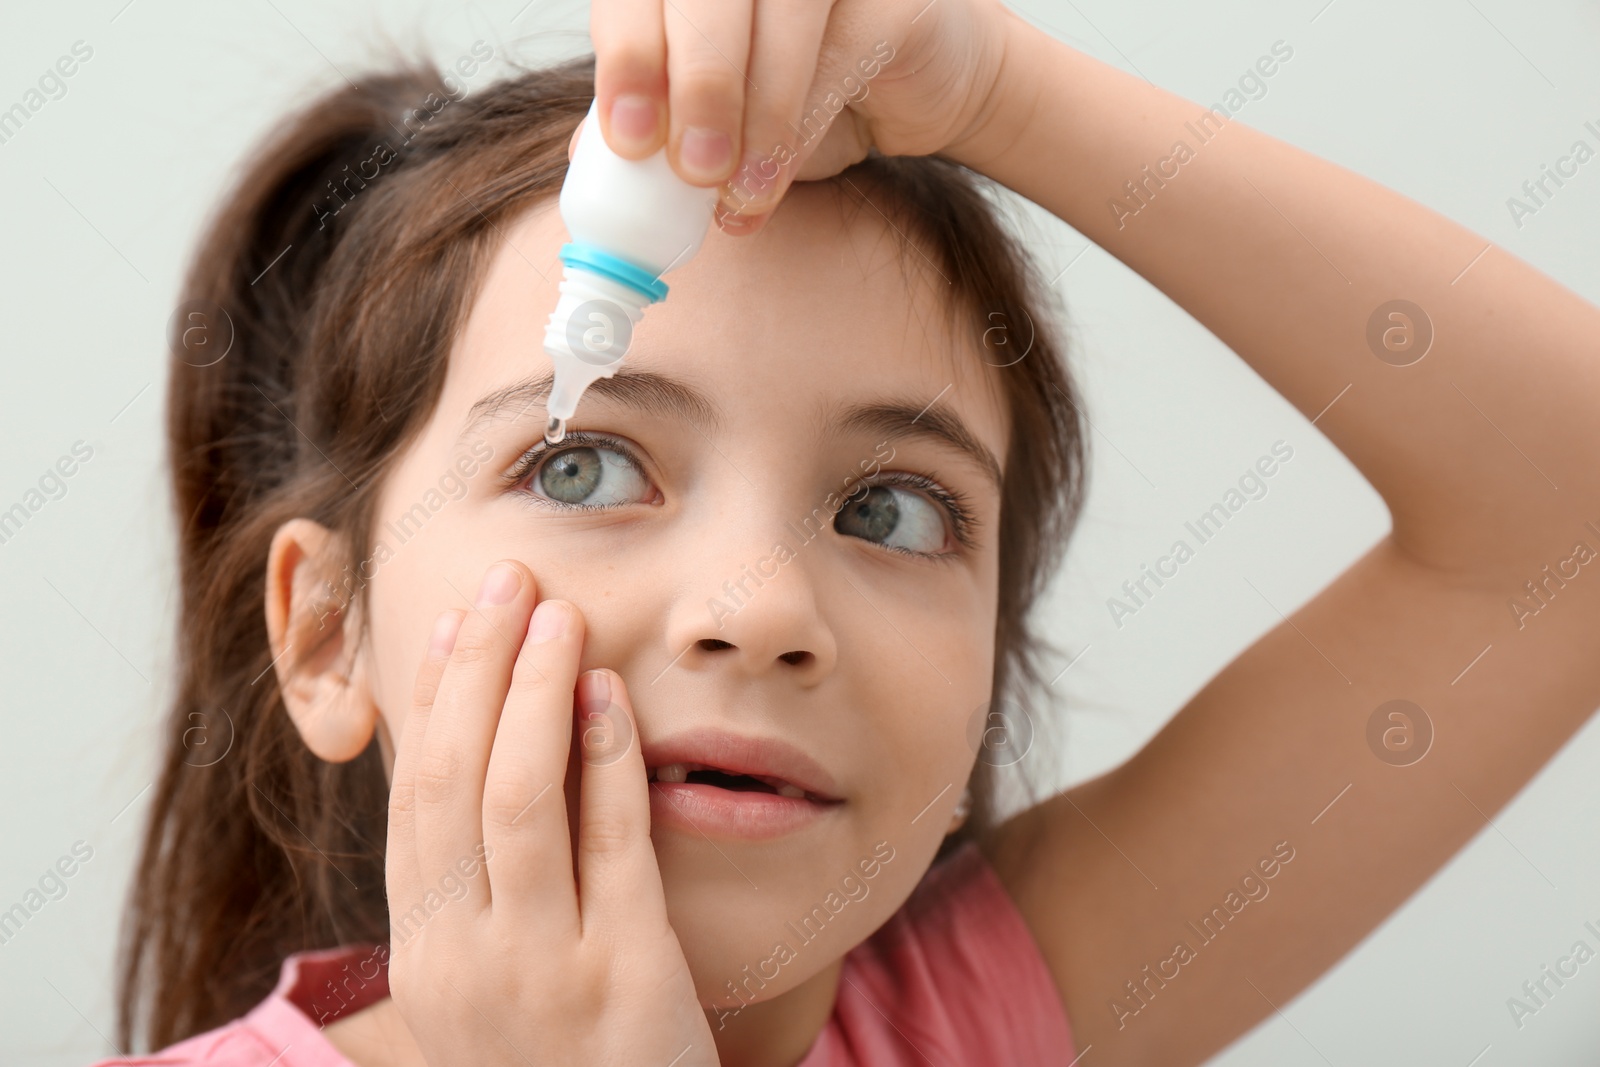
x=748, y=815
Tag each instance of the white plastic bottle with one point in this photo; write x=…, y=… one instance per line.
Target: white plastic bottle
x=630, y=222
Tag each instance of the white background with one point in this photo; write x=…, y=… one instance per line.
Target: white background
x=1451, y=102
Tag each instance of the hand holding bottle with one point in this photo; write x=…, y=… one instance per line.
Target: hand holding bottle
x=760, y=95
x=801, y=92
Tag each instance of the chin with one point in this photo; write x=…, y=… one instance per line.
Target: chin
x=756, y=923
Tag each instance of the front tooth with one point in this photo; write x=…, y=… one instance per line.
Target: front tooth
x=673, y=772
x=787, y=790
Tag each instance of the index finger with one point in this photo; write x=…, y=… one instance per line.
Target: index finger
x=630, y=74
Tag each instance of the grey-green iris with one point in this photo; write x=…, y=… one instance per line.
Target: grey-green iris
x=571, y=476
x=872, y=515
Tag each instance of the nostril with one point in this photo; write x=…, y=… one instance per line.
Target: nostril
x=711, y=644
x=794, y=658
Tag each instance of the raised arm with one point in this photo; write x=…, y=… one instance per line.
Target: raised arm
x=1474, y=410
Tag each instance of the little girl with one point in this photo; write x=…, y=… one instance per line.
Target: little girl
x=676, y=742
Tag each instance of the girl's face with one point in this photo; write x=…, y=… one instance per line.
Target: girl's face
x=783, y=373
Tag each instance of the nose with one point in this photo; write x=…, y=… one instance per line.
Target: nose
x=752, y=602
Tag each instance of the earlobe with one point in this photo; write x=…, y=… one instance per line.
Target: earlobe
x=963, y=808
x=312, y=628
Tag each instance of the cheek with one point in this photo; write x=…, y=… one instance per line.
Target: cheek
x=925, y=695
x=935, y=681
x=417, y=573
x=399, y=624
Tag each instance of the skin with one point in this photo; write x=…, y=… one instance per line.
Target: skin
x=1485, y=463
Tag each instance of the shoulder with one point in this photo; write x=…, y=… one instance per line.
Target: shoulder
x=954, y=972
x=287, y=1028
x=234, y=1044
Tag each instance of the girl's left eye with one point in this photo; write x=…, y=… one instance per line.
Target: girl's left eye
x=895, y=518
x=583, y=476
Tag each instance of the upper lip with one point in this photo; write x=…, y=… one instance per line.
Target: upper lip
x=768, y=757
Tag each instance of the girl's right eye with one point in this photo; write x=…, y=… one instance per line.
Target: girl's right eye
x=588, y=475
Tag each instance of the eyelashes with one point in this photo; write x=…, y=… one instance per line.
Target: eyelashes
x=962, y=518
x=532, y=463
x=963, y=521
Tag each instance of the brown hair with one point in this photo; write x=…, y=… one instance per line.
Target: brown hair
x=344, y=261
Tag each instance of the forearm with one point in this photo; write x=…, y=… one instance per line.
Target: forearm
x=1286, y=257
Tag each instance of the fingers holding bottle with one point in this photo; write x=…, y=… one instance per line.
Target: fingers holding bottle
x=727, y=88
x=630, y=81
x=786, y=41
x=708, y=51
x=673, y=74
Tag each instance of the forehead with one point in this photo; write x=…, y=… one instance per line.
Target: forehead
x=829, y=304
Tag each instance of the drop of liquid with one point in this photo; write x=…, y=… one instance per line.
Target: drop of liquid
x=555, y=430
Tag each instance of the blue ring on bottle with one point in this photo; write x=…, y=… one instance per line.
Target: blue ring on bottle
x=618, y=270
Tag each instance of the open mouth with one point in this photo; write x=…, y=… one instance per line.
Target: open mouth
x=699, y=774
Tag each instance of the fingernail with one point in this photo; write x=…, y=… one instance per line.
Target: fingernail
x=445, y=628
x=754, y=182
x=705, y=152
x=550, y=620
x=594, y=687
x=633, y=119
x=499, y=585
x=742, y=225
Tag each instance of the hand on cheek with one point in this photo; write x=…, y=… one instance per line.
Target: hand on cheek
x=528, y=956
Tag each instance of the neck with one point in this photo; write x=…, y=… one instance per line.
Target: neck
x=776, y=1032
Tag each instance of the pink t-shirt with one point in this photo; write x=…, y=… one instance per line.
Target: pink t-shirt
x=954, y=977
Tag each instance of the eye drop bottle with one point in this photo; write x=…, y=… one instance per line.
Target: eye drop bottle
x=630, y=222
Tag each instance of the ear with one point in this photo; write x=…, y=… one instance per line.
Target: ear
x=312, y=626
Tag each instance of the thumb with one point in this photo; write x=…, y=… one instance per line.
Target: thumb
x=846, y=142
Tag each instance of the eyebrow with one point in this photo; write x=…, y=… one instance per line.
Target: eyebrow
x=643, y=391
x=658, y=394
